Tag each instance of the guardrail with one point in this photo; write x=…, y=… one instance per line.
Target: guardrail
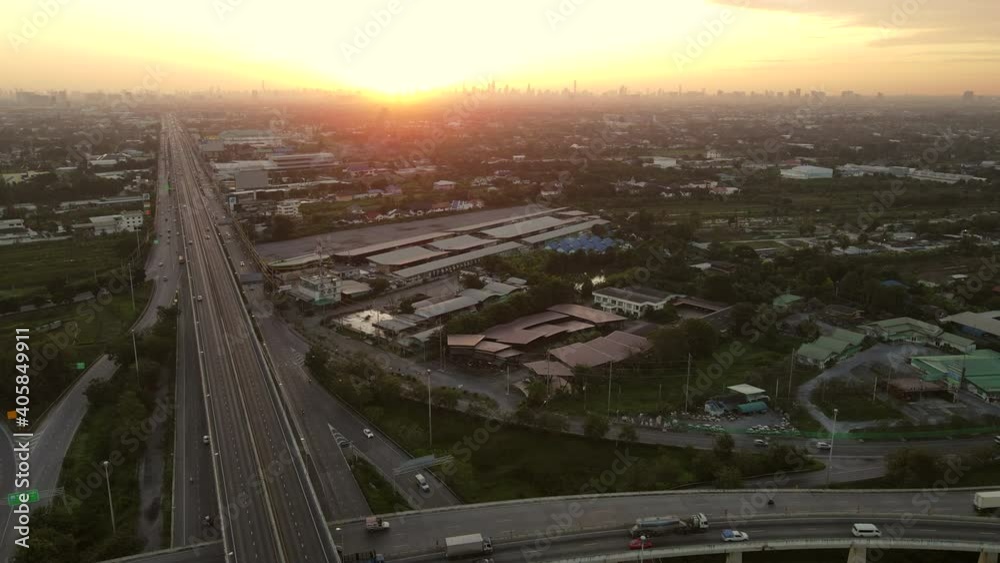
x=785, y=545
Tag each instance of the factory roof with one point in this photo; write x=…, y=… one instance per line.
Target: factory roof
x=461, y=242
x=588, y=314
x=458, y=259
x=405, y=256
x=362, y=251
x=488, y=224
x=524, y=228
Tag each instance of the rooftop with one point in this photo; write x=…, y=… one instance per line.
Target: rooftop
x=634, y=294
x=524, y=228
x=588, y=314
x=452, y=261
x=461, y=242
x=405, y=256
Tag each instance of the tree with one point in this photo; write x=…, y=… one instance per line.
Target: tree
x=472, y=281
x=587, y=289
x=728, y=477
x=723, y=447
x=282, y=228
x=628, y=434
x=911, y=467
x=702, y=338
x=316, y=360
x=595, y=426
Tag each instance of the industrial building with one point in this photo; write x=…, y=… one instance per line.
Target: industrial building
x=807, y=172
x=632, y=301
x=978, y=372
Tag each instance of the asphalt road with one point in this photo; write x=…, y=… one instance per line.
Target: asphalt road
x=194, y=484
x=268, y=510
x=320, y=414
x=55, y=432
x=546, y=529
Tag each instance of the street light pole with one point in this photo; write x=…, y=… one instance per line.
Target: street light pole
x=829, y=457
x=107, y=480
x=430, y=428
x=135, y=352
x=642, y=548
x=344, y=549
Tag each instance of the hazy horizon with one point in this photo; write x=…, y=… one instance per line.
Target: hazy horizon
x=393, y=47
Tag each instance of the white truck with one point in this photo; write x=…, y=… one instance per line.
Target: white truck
x=986, y=500
x=376, y=524
x=469, y=544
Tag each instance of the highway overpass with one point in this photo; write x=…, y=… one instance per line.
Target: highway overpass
x=548, y=529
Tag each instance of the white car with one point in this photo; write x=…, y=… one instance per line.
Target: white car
x=823, y=446
x=734, y=535
x=996, y=440
x=204, y=439
x=760, y=443
x=368, y=433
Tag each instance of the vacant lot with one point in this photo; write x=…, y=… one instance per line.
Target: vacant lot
x=28, y=268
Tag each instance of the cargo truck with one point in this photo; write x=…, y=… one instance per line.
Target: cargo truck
x=180, y=258
x=376, y=524
x=470, y=544
x=662, y=525
x=986, y=500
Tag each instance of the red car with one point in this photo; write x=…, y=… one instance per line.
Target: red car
x=639, y=543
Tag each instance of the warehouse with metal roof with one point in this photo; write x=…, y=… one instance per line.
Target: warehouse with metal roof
x=461, y=242
x=524, y=228
x=452, y=263
x=403, y=257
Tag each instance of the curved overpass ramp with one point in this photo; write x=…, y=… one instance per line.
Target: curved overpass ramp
x=551, y=529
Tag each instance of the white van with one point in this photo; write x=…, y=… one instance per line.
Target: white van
x=866, y=531
x=422, y=482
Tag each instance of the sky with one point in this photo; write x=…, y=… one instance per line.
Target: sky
x=393, y=47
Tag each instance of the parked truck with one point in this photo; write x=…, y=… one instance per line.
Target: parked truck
x=662, y=525
x=180, y=258
x=986, y=500
x=362, y=557
x=376, y=524
x=470, y=544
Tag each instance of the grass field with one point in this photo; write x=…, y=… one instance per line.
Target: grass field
x=515, y=462
x=381, y=496
x=651, y=389
x=31, y=266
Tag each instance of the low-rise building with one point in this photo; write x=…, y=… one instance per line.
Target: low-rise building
x=632, y=301
x=319, y=289
x=129, y=221
x=807, y=172
x=443, y=185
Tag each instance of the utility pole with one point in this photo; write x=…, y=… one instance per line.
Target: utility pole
x=135, y=352
x=659, y=397
x=687, y=386
x=107, y=480
x=875, y=388
x=130, y=288
x=791, y=366
x=611, y=367
x=430, y=431
x=508, y=378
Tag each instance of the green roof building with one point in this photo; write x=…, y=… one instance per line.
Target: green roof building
x=977, y=372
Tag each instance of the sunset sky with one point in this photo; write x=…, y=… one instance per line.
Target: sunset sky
x=894, y=46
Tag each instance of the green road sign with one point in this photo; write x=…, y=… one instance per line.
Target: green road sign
x=81, y=365
x=12, y=498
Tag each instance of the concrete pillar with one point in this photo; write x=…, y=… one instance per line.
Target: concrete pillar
x=736, y=557
x=857, y=554
x=987, y=557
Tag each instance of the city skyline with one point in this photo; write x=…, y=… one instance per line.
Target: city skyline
x=399, y=47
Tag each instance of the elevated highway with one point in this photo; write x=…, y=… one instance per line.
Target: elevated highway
x=550, y=529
